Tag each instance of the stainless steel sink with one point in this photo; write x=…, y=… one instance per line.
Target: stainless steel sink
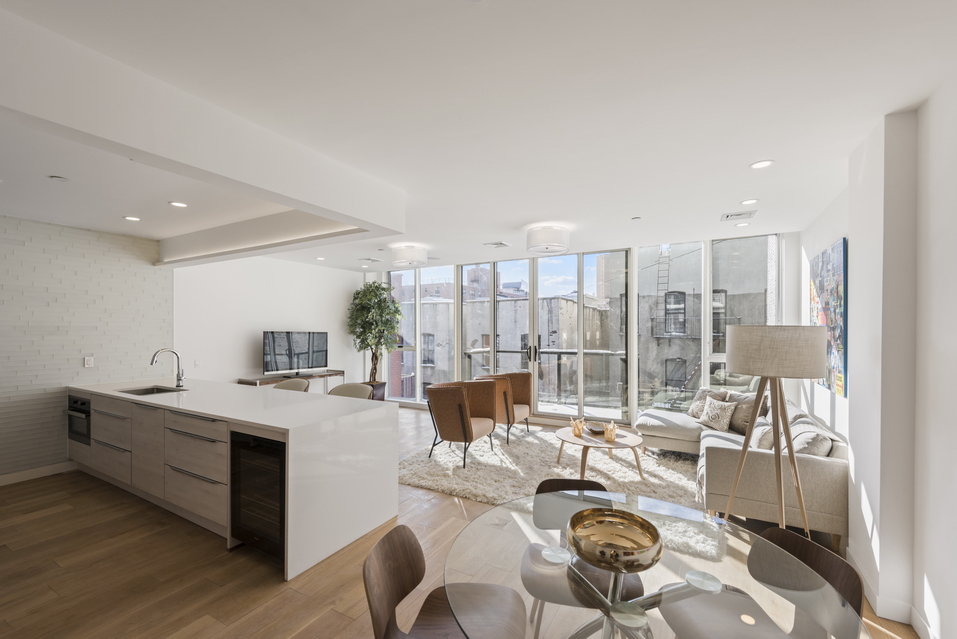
x=152, y=390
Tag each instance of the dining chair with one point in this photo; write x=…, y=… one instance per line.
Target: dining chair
x=513, y=399
x=395, y=567
x=462, y=412
x=833, y=568
x=359, y=391
x=293, y=384
x=543, y=582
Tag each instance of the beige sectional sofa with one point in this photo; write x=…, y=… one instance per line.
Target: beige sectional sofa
x=824, y=478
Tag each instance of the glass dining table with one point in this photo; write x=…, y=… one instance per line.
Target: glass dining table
x=714, y=579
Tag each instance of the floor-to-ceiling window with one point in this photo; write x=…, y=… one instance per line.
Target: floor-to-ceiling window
x=557, y=339
x=669, y=323
x=476, y=318
x=511, y=316
x=437, y=321
x=401, y=362
x=604, y=352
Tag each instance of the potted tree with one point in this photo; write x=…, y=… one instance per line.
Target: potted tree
x=373, y=322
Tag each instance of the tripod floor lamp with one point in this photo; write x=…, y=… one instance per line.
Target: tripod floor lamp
x=775, y=353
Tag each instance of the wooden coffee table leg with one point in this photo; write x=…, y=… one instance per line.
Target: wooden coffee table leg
x=584, y=460
x=638, y=463
x=560, y=449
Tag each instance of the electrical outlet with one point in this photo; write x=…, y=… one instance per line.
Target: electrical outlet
x=87, y=362
x=195, y=363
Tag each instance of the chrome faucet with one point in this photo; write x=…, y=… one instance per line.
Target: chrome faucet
x=179, y=365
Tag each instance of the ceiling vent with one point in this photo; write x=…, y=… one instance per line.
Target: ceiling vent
x=737, y=217
x=496, y=244
x=370, y=260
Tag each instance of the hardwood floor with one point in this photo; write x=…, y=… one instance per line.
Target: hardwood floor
x=82, y=558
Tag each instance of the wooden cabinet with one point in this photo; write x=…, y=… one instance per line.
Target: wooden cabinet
x=148, y=473
x=196, y=458
x=111, y=435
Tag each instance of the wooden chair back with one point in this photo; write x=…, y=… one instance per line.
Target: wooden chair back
x=834, y=569
x=560, y=484
x=394, y=568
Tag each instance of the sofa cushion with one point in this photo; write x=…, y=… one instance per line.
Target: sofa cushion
x=717, y=415
x=670, y=424
x=743, y=410
x=697, y=404
x=714, y=438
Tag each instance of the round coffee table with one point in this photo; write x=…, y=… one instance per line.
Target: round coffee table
x=623, y=439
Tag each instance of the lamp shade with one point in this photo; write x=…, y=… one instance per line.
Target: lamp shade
x=410, y=256
x=798, y=352
x=547, y=240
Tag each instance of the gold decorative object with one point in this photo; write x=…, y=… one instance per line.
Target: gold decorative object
x=611, y=431
x=614, y=540
x=578, y=427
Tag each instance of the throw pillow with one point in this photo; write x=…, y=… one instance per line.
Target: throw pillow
x=743, y=410
x=717, y=415
x=762, y=437
x=697, y=404
x=810, y=438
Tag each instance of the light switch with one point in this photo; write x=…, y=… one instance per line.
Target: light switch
x=87, y=362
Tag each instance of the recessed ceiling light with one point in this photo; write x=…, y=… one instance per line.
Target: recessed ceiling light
x=320, y=258
x=742, y=223
x=131, y=218
x=179, y=204
x=365, y=266
x=747, y=202
x=762, y=164
x=58, y=178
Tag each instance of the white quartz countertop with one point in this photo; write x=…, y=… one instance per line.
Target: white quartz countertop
x=264, y=406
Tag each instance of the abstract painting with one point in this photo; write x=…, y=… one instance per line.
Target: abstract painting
x=829, y=308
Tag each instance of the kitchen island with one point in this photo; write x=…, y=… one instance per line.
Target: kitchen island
x=173, y=448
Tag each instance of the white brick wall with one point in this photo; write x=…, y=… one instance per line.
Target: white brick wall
x=66, y=294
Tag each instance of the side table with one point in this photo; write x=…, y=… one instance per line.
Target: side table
x=587, y=441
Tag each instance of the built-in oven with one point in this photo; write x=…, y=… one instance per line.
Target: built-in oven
x=258, y=492
x=78, y=419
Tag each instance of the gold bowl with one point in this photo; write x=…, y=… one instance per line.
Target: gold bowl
x=595, y=428
x=614, y=540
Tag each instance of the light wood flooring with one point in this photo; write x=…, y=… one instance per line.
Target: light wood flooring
x=82, y=558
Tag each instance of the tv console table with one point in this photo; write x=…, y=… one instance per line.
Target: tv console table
x=275, y=379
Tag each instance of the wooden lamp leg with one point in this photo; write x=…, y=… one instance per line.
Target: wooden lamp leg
x=776, y=420
x=794, y=468
x=758, y=400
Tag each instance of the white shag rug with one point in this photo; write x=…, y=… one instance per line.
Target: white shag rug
x=515, y=470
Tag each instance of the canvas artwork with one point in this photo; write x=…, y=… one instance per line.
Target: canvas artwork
x=829, y=308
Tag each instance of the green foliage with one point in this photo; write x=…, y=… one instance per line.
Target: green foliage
x=374, y=320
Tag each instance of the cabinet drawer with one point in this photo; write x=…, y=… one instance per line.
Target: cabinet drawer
x=110, y=460
x=212, y=428
x=119, y=407
x=111, y=428
x=197, y=495
x=196, y=454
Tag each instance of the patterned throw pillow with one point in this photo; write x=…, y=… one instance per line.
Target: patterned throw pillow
x=697, y=404
x=717, y=415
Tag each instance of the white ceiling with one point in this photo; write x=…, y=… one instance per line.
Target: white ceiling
x=497, y=115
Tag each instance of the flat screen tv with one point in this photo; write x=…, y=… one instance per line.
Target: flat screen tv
x=294, y=351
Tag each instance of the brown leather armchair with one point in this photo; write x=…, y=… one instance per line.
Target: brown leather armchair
x=513, y=399
x=462, y=412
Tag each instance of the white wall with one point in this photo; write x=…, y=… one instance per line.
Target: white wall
x=68, y=294
x=220, y=311
x=881, y=298
x=935, y=560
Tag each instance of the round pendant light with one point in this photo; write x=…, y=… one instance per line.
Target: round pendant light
x=410, y=256
x=547, y=240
